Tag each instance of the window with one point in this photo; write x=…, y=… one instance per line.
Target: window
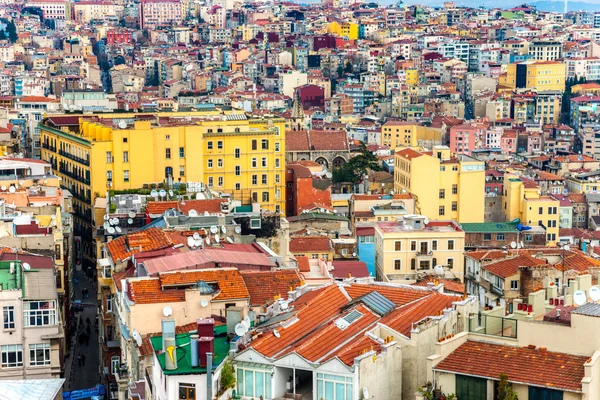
x=398, y=245
x=12, y=356
x=124, y=140
x=487, y=236
x=187, y=391
x=528, y=237
x=413, y=245
x=181, y=152
x=265, y=196
x=167, y=137
x=125, y=176
x=220, y=181
x=238, y=170
x=277, y=163
x=450, y=263
x=209, y=145
x=264, y=162
x=514, y=285
x=434, y=245
x=499, y=236
x=220, y=163
x=210, y=163
x=39, y=354
x=397, y=265
x=454, y=206
x=109, y=175
x=265, y=144
x=211, y=181
x=450, y=244
x=181, y=170
x=109, y=303
x=254, y=144
x=115, y=363
x=541, y=210
x=125, y=156
x=277, y=146
x=442, y=193
x=442, y=210
x=220, y=144
x=254, y=383
x=454, y=189
x=109, y=158
x=424, y=246
x=254, y=162
x=238, y=186
x=39, y=313
x=255, y=179
x=237, y=153
x=277, y=179
x=9, y=317
x=264, y=179
x=413, y=264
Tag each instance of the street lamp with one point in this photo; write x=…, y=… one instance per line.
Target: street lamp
x=564, y=247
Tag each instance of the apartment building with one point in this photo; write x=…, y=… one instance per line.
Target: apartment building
x=155, y=13
x=545, y=50
x=409, y=134
x=86, y=11
x=445, y=186
x=532, y=74
x=53, y=9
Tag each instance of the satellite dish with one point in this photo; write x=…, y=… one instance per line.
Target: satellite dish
x=521, y=244
x=162, y=193
x=191, y=242
x=238, y=229
x=240, y=329
x=21, y=182
x=595, y=293
x=106, y=225
x=217, y=238
x=138, y=339
x=106, y=217
x=214, y=229
x=204, y=303
x=283, y=305
x=131, y=214
x=12, y=189
x=154, y=193
x=206, y=213
x=122, y=124
x=193, y=213
x=26, y=266
x=167, y=311
x=365, y=393
x=171, y=193
x=223, y=230
x=207, y=240
x=579, y=297
x=276, y=333
x=439, y=270
x=246, y=321
x=130, y=221
x=3, y=188
x=198, y=242
x=118, y=229
x=567, y=247
x=111, y=229
x=115, y=221
x=513, y=245
x=196, y=236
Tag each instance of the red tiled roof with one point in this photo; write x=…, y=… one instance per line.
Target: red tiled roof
x=316, y=141
x=303, y=264
x=147, y=291
x=229, y=281
x=526, y=365
x=456, y=287
x=409, y=153
x=346, y=269
x=146, y=240
x=510, y=266
x=486, y=255
x=212, y=206
x=263, y=286
x=310, y=244
x=347, y=354
x=400, y=296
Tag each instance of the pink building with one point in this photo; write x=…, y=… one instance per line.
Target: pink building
x=534, y=143
x=493, y=138
x=509, y=142
x=155, y=13
x=465, y=138
x=53, y=9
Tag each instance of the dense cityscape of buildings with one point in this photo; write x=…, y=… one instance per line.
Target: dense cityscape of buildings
x=271, y=200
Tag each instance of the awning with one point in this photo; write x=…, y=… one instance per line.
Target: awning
x=255, y=366
x=491, y=296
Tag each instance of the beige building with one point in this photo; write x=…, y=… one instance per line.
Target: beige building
x=86, y=11
x=404, y=249
x=397, y=133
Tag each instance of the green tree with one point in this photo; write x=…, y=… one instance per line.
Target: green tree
x=505, y=391
x=358, y=166
x=12, y=32
x=227, y=377
x=348, y=67
x=3, y=35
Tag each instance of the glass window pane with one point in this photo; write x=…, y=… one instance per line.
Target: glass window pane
x=267, y=385
x=319, y=389
x=249, y=383
x=348, y=391
x=329, y=395
x=260, y=384
x=240, y=381
x=340, y=391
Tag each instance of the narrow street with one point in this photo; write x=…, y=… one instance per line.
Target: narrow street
x=84, y=376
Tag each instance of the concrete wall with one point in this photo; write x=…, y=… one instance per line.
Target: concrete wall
x=382, y=386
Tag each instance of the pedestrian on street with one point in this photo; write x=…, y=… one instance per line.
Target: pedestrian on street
x=83, y=359
x=79, y=360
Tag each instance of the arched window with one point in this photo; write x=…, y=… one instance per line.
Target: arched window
x=413, y=264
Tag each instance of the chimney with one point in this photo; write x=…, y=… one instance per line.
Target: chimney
x=209, y=382
x=170, y=354
x=291, y=294
x=430, y=286
x=205, y=346
x=206, y=327
x=194, y=350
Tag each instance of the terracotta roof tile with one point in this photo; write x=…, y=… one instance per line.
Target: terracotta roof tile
x=534, y=367
x=303, y=264
x=310, y=244
x=401, y=320
x=400, y=296
x=228, y=280
x=510, y=266
x=148, y=291
x=349, y=353
x=212, y=206
x=456, y=287
x=146, y=240
x=263, y=286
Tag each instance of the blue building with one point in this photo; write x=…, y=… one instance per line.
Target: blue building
x=366, y=247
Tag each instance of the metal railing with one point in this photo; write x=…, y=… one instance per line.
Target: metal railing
x=493, y=326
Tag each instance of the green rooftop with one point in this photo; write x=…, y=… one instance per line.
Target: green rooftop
x=10, y=281
x=184, y=359
x=490, y=227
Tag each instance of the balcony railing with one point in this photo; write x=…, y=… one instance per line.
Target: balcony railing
x=80, y=160
x=497, y=290
x=424, y=254
x=493, y=325
x=470, y=276
x=81, y=179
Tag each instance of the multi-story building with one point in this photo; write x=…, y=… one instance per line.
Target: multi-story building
x=86, y=11
x=31, y=109
x=445, y=186
x=53, y=9
x=408, y=134
x=414, y=245
x=155, y=13
x=532, y=74
x=545, y=50
x=229, y=154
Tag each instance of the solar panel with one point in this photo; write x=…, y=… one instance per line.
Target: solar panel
x=378, y=303
x=352, y=316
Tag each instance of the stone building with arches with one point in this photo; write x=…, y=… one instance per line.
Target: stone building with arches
x=328, y=148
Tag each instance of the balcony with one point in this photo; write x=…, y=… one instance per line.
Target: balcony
x=81, y=179
x=497, y=290
x=424, y=255
x=485, y=324
x=470, y=276
x=84, y=161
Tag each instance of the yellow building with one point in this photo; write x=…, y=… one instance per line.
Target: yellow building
x=399, y=133
x=412, y=76
x=344, y=29
x=227, y=153
x=415, y=245
x=522, y=200
x=532, y=74
x=445, y=186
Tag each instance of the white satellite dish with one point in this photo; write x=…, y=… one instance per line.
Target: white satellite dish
x=238, y=229
x=3, y=188
x=246, y=322
x=171, y=193
x=154, y=193
x=26, y=266
x=283, y=305
x=115, y=221
x=122, y=124
x=579, y=297
x=223, y=230
x=12, y=189
x=106, y=225
x=138, y=339
x=118, y=229
x=240, y=329
x=365, y=393
x=513, y=245
x=595, y=293
x=130, y=221
x=196, y=236
x=439, y=270
x=567, y=247
x=21, y=182
x=193, y=213
x=276, y=333
x=191, y=242
x=162, y=193
x=111, y=230
x=229, y=240
x=167, y=311
x=131, y=214
x=198, y=242
x=106, y=217
x=426, y=221
x=214, y=229
x=204, y=303
x=207, y=240
x=217, y=238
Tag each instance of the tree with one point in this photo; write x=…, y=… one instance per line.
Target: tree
x=358, y=166
x=3, y=35
x=505, y=391
x=12, y=32
x=348, y=67
x=227, y=377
